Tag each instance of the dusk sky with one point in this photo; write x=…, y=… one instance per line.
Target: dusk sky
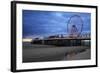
x=45, y=23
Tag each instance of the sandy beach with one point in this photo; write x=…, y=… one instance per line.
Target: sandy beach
x=41, y=53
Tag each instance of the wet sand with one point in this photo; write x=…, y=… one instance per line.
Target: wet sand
x=41, y=53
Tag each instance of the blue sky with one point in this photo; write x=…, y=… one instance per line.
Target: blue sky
x=45, y=23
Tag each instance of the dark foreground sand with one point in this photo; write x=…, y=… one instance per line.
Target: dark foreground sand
x=40, y=53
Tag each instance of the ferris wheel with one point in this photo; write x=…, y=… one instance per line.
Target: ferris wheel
x=75, y=26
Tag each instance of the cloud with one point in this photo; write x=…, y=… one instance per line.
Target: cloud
x=49, y=22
